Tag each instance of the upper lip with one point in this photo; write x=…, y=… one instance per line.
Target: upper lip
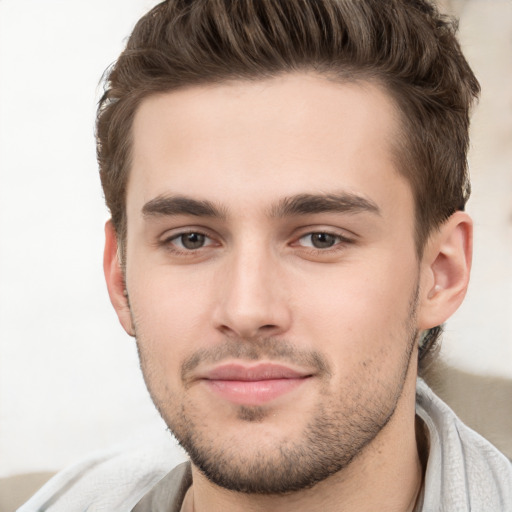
x=262, y=371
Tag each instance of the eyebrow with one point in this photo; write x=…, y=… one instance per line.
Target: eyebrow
x=181, y=205
x=300, y=204
x=304, y=204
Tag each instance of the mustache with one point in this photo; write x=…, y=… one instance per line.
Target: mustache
x=254, y=350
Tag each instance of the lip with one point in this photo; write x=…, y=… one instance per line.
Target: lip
x=253, y=385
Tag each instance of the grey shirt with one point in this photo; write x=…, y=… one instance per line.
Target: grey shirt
x=464, y=473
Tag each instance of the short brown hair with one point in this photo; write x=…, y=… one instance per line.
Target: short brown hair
x=406, y=46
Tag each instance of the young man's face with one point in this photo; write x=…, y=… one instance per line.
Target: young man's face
x=272, y=274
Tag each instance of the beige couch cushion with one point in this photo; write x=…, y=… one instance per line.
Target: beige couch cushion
x=484, y=403
x=15, y=490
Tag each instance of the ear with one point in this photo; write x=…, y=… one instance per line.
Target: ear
x=115, y=279
x=446, y=265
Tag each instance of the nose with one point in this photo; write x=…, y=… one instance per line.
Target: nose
x=251, y=299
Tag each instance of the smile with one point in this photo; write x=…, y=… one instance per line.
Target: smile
x=252, y=386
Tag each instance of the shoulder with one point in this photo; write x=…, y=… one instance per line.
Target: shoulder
x=464, y=471
x=113, y=480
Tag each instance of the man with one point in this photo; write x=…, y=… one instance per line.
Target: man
x=287, y=182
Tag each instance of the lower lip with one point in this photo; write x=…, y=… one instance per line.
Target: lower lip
x=256, y=392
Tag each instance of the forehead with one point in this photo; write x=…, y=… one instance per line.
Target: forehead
x=261, y=140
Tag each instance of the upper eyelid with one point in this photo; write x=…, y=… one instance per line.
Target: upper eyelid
x=170, y=234
x=336, y=235
x=295, y=235
x=169, y=243
x=342, y=240
x=334, y=231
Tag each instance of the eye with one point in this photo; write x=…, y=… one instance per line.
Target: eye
x=190, y=241
x=320, y=240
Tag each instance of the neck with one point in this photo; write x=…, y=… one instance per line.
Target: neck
x=386, y=475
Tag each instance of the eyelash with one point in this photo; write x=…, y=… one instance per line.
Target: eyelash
x=339, y=245
x=169, y=245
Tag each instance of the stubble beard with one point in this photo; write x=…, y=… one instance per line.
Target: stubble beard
x=341, y=426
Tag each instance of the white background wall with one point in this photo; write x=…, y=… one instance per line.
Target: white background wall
x=69, y=377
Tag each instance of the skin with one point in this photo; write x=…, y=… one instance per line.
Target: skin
x=223, y=162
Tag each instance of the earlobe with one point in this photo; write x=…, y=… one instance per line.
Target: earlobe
x=446, y=266
x=115, y=279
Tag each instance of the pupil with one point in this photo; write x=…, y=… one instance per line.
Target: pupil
x=323, y=240
x=192, y=240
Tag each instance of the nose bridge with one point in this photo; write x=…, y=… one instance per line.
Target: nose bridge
x=251, y=301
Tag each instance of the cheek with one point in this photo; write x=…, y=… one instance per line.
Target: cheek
x=358, y=311
x=172, y=317
x=168, y=299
